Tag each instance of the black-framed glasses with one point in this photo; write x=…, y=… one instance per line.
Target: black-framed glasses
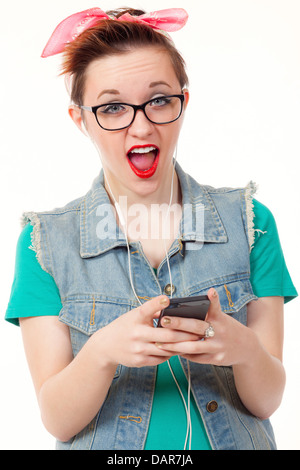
x=118, y=116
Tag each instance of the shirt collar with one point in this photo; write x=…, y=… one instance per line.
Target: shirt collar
x=99, y=231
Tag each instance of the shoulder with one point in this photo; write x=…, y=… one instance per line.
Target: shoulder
x=243, y=195
x=71, y=207
x=59, y=224
x=60, y=220
x=24, y=253
x=24, y=239
x=235, y=206
x=263, y=217
x=265, y=228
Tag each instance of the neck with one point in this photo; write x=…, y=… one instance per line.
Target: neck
x=142, y=212
x=159, y=196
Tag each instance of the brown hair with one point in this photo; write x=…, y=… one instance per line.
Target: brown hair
x=114, y=37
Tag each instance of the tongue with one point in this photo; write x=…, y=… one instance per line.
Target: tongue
x=142, y=161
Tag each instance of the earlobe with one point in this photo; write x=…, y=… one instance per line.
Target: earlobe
x=186, y=93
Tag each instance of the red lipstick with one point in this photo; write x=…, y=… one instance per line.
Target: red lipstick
x=134, y=157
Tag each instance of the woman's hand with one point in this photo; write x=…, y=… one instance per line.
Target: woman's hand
x=61, y=381
x=131, y=339
x=231, y=344
x=254, y=351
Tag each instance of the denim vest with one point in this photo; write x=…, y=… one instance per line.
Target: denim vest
x=81, y=246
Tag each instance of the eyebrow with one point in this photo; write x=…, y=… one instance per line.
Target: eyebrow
x=154, y=84
x=109, y=92
x=113, y=91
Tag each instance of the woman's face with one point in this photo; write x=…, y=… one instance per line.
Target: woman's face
x=134, y=78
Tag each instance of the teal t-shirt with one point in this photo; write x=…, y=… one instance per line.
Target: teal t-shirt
x=34, y=293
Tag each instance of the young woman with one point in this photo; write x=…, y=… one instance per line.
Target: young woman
x=88, y=295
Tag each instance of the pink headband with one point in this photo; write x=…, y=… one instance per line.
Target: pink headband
x=69, y=29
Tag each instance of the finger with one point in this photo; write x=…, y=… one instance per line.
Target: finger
x=190, y=325
x=152, y=308
x=215, y=309
x=188, y=347
x=163, y=335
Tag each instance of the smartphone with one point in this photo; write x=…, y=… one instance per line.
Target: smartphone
x=187, y=307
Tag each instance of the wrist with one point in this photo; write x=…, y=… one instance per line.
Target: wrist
x=100, y=352
x=252, y=349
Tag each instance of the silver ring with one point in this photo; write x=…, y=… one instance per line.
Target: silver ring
x=209, y=332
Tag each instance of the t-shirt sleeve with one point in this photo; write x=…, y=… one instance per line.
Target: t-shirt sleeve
x=34, y=291
x=269, y=273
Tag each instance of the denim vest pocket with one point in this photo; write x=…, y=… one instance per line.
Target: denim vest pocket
x=84, y=315
x=234, y=295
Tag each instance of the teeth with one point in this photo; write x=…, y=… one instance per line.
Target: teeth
x=143, y=150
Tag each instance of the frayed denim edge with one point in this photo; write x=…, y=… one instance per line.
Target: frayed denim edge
x=33, y=219
x=250, y=190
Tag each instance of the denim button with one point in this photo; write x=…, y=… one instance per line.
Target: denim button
x=212, y=406
x=169, y=289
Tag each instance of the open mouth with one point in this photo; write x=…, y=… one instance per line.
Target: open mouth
x=143, y=160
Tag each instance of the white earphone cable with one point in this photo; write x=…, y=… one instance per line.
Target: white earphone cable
x=166, y=219
x=124, y=225
x=186, y=406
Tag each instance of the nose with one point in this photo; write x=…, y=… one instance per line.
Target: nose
x=141, y=126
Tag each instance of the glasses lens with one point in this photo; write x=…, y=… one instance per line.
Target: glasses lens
x=160, y=110
x=115, y=116
x=164, y=109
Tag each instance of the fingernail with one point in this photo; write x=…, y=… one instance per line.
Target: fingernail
x=164, y=301
x=166, y=321
x=158, y=345
x=215, y=294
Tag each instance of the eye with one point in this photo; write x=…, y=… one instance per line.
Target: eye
x=160, y=101
x=114, y=108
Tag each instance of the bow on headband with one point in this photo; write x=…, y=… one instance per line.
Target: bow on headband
x=69, y=29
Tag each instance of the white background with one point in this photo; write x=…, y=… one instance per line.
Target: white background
x=242, y=124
